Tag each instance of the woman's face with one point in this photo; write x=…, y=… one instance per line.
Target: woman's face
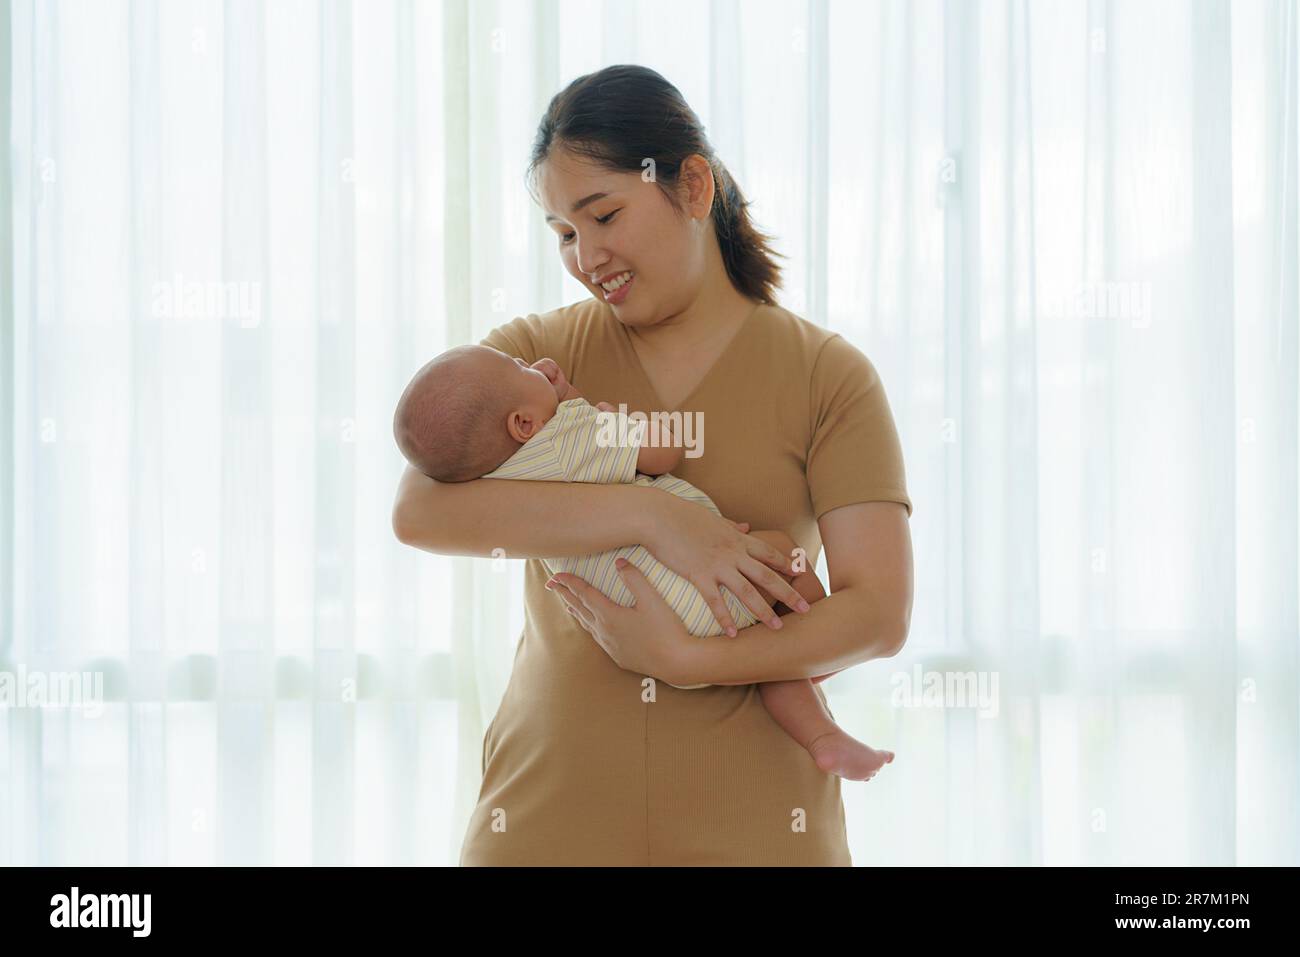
x=629, y=227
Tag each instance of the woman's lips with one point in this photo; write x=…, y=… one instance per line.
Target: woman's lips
x=619, y=294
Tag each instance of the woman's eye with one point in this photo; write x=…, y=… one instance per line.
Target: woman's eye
x=568, y=237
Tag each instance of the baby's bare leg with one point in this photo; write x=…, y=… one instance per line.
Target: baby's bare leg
x=796, y=706
x=806, y=583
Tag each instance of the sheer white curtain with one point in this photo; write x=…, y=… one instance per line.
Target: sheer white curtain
x=1064, y=232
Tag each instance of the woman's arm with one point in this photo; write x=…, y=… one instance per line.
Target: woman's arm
x=867, y=615
x=526, y=519
x=531, y=519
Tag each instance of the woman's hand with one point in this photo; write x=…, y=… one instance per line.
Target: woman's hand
x=710, y=551
x=647, y=638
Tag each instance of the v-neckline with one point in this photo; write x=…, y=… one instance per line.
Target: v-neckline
x=660, y=405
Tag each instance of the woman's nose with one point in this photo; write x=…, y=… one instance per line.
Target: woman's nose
x=589, y=262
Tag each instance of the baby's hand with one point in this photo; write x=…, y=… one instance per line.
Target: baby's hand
x=551, y=369
x=605, y=407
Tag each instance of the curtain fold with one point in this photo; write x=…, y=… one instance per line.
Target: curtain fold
x=230, y=231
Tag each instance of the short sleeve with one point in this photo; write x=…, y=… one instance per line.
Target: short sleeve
x=854, y=454
x=523, y=336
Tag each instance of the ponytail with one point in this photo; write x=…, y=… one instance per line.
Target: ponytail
x=746, y=252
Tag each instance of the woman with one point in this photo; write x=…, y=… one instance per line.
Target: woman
x=589, y=760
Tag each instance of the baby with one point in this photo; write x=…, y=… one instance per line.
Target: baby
x=474, y=412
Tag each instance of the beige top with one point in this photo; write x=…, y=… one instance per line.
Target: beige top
x=578, y=768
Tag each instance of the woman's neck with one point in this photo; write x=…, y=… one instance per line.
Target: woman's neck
x=713, y=315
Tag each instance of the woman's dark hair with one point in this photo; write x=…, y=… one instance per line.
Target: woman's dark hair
x=623, y=115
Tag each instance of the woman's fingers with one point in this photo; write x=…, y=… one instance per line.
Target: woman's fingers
x=581, y=623
x=776, y=586
x=590, y=597
x=748, y=596
x=574, y=597
x=769, y=555
x=719, y=608
x=576, y=609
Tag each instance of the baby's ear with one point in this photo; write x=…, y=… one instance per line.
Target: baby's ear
x=521, y=427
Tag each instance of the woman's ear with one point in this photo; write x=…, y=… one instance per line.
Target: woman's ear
x=696, y=177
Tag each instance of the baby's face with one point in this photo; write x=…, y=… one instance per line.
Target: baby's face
x=536, y=389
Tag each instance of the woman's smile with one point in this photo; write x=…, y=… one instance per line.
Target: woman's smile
x=619, y=294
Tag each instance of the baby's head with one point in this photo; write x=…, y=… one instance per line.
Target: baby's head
x=471, y=408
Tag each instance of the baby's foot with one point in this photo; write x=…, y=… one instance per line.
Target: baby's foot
x=839, y=753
